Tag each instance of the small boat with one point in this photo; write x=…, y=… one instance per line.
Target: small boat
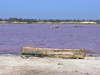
x=5, y=25
x=50, y=52
x=31, y=27
x=77, y=26
x=55, y=26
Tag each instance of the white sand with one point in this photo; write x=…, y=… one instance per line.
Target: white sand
x=15, y=65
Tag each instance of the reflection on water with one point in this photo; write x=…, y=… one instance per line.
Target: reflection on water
x=14, y=36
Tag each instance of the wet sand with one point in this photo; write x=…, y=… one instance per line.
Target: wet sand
x=16, y=65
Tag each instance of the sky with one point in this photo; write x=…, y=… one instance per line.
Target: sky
x=50, y=9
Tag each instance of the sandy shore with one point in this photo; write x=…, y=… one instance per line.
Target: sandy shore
x=16, y=65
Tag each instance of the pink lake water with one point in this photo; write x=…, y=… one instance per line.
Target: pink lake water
x=15, y=36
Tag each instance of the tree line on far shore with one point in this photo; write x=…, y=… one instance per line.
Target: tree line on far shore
x=45, y=20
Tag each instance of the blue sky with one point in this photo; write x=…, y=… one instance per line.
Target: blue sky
x=50, y=9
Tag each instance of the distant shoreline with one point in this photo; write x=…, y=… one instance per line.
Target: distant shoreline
x=83, y=22
x=51, y=23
